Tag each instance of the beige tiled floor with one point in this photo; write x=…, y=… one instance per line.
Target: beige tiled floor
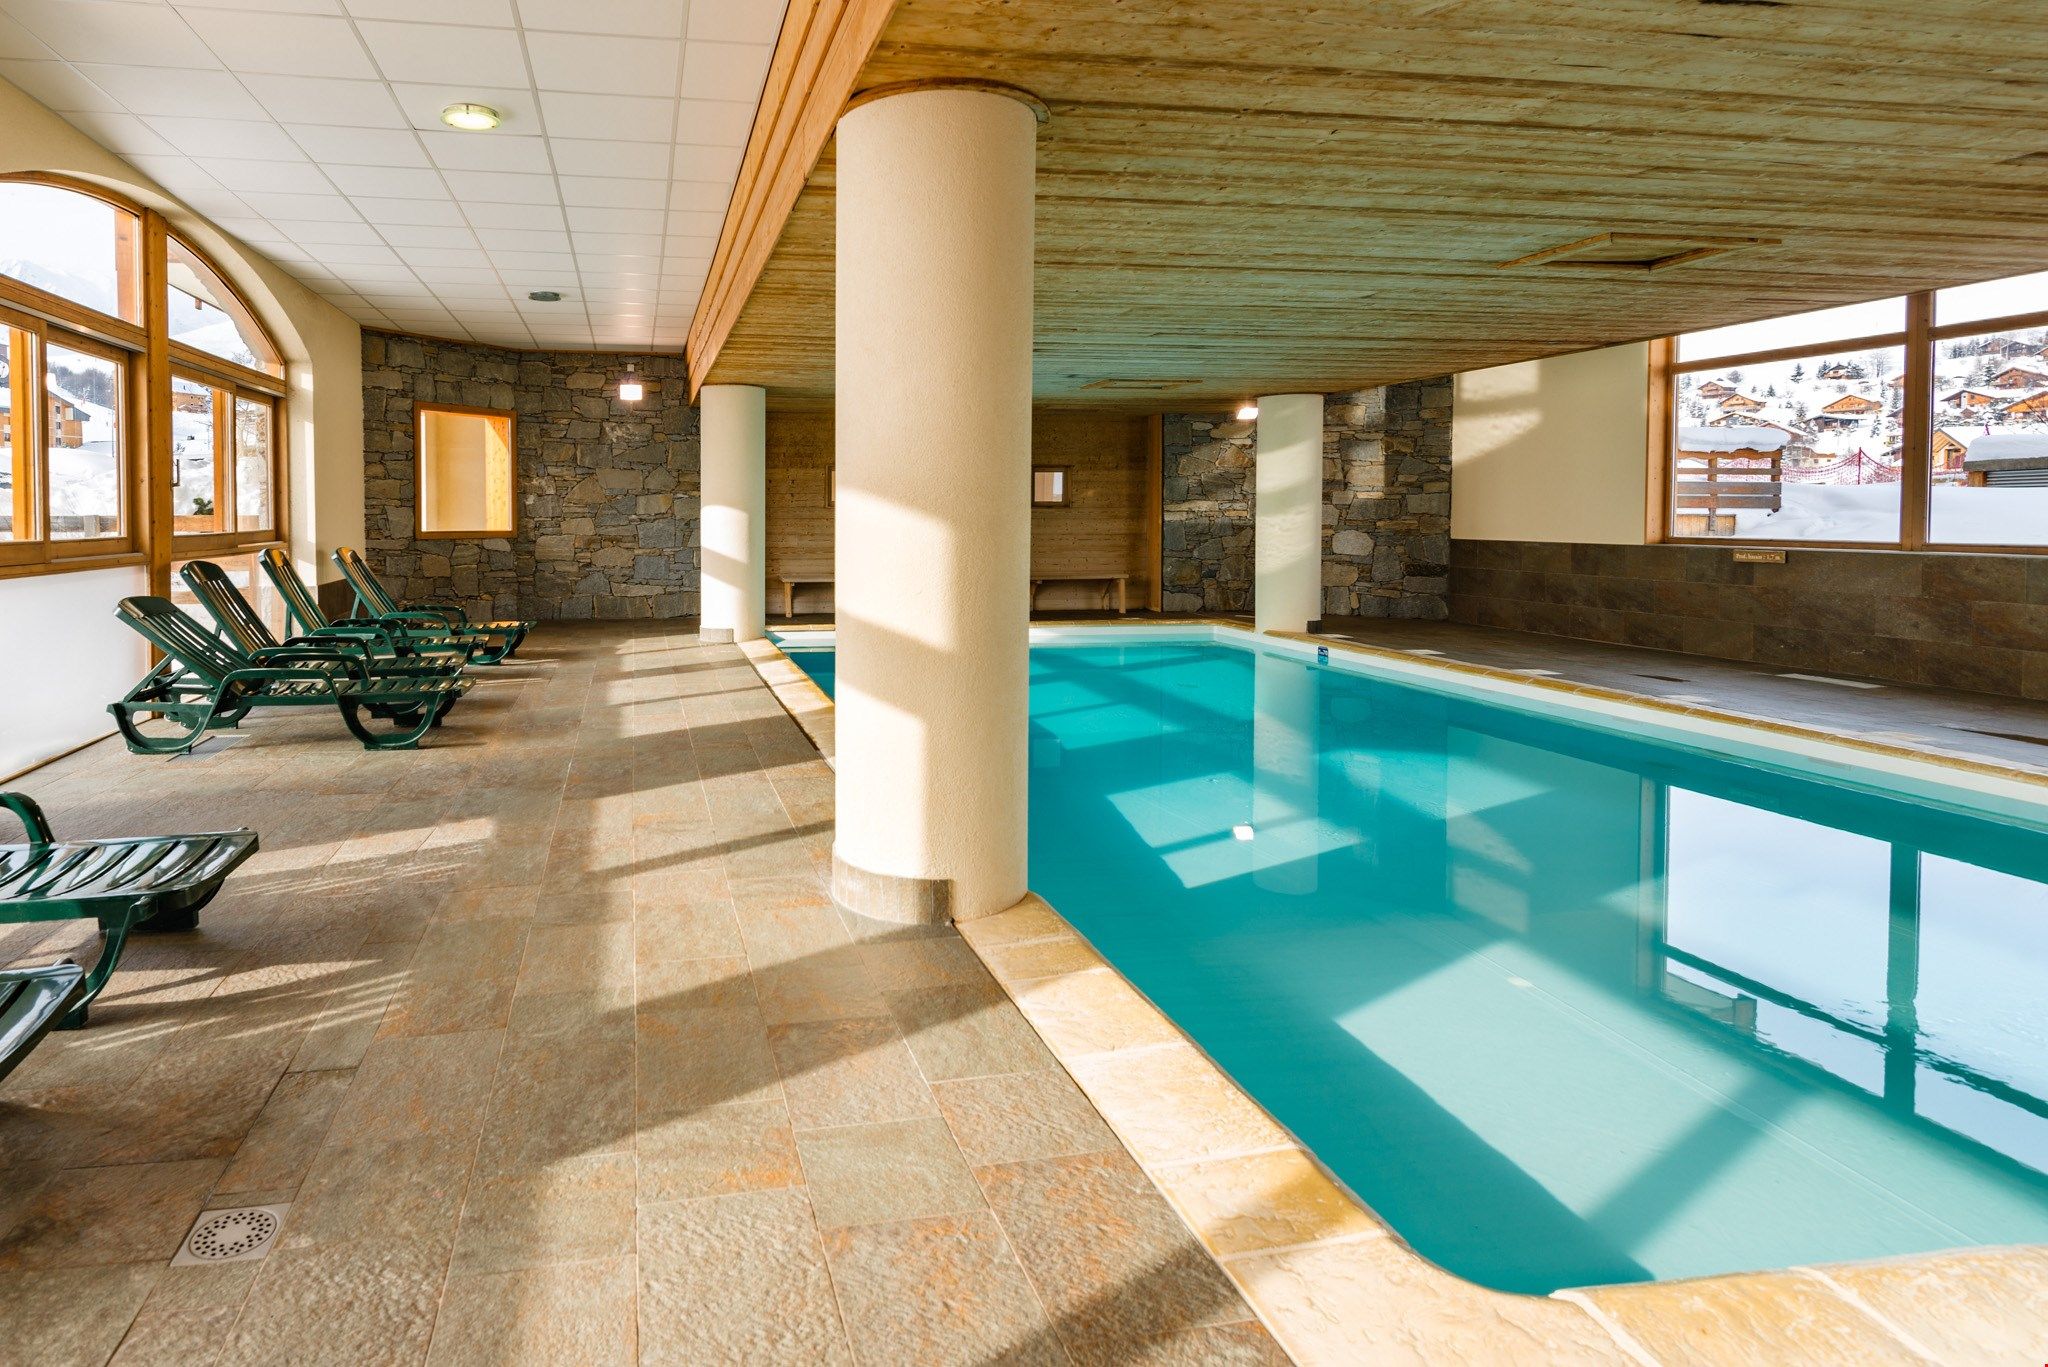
x=560, y=1054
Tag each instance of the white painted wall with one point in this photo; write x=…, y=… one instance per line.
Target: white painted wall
x=1553, y=450
x=83, y=658
x=67, y=658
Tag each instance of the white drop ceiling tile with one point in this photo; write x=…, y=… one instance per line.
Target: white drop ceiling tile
x=504, y=187
x=255, y=231
x=462, y=279
x=493, y=13
x=273, y=177
x=621, y=118
x=358, y=146
x=58, y=85
x=527, y=262
x=736, y=21
x=263, y=141
x=523, y=239
x=724, y=71
x=350, y=254
x=174, y=90
x=689, y=246
x=287, y=252
x=485, y=294
x=707, y=165
x=595, y=229
x=318, y=232
x=603, y=243
x=273, y=6
x=281, y=44
x=454, y=151
x=16, y=41
x=612, y=192
x=388, y=182
x=443, y=256
x=123, y=134
x=703, y=195
x=439, y=213
x=518, y=110
x=305, y=208
x=218, y=204
x=714, y=123
x=603, y=65
x=106, y=31
x=654, y=18
x=444, y=53
x=364, y=274
x=427, y=235
x=625, y=160
x=533, y=216
x=176, y=174
x=312, y=99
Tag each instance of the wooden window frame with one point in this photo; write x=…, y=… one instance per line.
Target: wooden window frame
x=1916, y=342
x=226, y=475
x=1066, y=474
x=148, y=356
x=420, y=409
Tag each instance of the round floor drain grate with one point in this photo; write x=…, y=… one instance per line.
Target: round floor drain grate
x=231, y=1234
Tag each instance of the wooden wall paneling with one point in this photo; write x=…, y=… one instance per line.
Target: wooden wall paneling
x=799, y=539
x=1155, y=509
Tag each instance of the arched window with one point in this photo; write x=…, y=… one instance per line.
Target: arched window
x=80, y=401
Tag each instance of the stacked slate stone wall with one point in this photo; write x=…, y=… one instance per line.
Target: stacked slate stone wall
x=1387, y=501
x=1206, y=542
x=1386, y=505
x=607, y=490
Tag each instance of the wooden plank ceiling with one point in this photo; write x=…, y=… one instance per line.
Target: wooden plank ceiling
x=1320, y=194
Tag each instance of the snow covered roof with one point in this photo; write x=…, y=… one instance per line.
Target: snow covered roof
x=1713, y=439
x=1996, y=448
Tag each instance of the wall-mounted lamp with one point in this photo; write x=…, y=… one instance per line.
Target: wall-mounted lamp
x=630, y=388
x=1248, y=412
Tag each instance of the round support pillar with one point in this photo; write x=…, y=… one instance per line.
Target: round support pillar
x=734, y=528
x=932, y=514
x=1287, y=513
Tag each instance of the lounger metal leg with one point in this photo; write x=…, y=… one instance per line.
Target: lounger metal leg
x=405, y=739
x=113, y=939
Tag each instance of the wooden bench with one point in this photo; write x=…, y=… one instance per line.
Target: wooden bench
x=790, y=583
x=1117, y=584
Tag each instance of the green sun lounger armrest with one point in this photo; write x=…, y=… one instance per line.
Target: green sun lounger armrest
x=457, y=617
x=32, y=1000
x=442, y=620
x=24, y=806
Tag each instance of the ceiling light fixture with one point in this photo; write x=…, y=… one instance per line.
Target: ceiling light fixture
x=544, y=296
x=471, y=118
x=1248, y=412
x=630, y=388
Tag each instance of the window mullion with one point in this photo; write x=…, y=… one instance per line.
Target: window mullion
x=1916, y=463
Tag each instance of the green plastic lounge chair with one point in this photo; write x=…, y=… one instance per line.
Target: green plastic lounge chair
x=302, y=613
x=138, y=884
x=372, y=600
x=31, y=1000
x=242, y=628
x=205, y=683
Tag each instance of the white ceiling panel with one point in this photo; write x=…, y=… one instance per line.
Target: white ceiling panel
x=306, y=99
x=312, y=128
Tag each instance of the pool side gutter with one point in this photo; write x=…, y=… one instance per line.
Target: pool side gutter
x=1330, y=1280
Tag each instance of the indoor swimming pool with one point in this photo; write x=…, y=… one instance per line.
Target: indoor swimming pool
x=1563, y=1007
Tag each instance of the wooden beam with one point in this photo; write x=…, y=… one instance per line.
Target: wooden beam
x=819, y=56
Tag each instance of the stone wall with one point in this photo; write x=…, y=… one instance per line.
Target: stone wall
x=1977, y=622
x=607, y=490
x=1386, y=505
x=1387, y=501
x=1206, y=542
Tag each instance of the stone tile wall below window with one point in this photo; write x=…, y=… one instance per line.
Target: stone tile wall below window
x=1976, y=622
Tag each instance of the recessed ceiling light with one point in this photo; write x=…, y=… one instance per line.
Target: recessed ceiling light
x=471, y=118
x=544, y=296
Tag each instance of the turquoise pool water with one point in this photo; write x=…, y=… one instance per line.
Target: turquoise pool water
x=1564, y=1008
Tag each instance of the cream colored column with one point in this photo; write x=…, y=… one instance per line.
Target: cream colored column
x=1287, y=513
x=933, y=517
x=734, y=420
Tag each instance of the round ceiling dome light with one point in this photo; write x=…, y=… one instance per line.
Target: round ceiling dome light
x=545, y=296
x=471, y=118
